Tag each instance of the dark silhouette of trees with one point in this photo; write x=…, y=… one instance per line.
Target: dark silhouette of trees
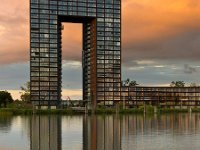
x=133, y=83
x=177, y=84
x=129, y=82
x=5, y=98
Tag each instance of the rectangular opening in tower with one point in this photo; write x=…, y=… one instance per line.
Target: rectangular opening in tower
x=72, y=72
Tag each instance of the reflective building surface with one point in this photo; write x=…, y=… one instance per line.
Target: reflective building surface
x=102, y=133
x=101, y=52
x=45, y=133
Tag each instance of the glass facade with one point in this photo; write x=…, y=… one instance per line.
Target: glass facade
x=101, y=49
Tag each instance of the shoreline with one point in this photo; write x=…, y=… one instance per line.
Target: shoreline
x=69, y=111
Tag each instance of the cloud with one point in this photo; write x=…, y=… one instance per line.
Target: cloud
x=2, y=30
x=14, y=75
x=139, y=63
x=189, y=70
x=156, y=76
x=71, y=64
x=150, y=29
x=72, y=41
x=161, y=29
x=73, y=94
x=14, y=31
x=15, y=94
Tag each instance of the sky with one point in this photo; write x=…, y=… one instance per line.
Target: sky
x=160, y=44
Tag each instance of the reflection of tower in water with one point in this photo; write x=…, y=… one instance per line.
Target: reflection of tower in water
x=45, y=133
x=101, y=133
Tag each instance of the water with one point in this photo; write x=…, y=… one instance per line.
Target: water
x=109, y=132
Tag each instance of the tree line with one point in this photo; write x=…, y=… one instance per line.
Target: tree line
x=129, y=82
x=6, y=98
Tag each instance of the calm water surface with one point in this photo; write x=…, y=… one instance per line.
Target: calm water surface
x=110, y=132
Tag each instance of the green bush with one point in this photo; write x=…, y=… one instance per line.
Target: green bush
x=105, y=111
x=173, y=110
x=149, y=109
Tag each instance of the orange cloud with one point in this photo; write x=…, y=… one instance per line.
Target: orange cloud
x=145, y=20
x=14, y=31
x=146, y=24
x=155, y=29
x=72, y=41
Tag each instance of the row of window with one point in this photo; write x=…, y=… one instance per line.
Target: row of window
x=36, y=88
x=97, y=3
x=114, y=76
x=34, y=83
x=74, y=1
x=48, y=28
x=107, y=98
x=51, y=50
x=75, y=8
x=46, y=37
x=44, y=64
x=44, y=74
x=99, y=48
x=100, y=86
x=50, y=38
x=44, y=78
x=101, y=26
x=47, y=98
x=43, y=69
x=44, y=59
x=81, y=12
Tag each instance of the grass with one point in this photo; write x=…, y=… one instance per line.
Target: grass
x=15, y=111
x=24, y=110
x=174, y=110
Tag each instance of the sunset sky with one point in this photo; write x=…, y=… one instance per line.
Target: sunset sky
x=160, y=43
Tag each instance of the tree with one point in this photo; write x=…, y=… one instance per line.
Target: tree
x=129, y=82
x=177, y=84
x=5, y=98
x=25, y=94
x=172, y=84
x=133, y=83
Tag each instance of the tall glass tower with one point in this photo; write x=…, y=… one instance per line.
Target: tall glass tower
x=101, y=60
